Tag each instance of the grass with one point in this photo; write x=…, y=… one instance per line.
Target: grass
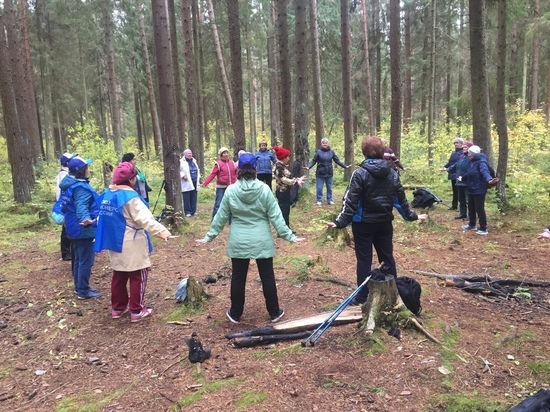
x=460, y=402
x=205, y=389
x=88, y=402
x=540, y=370
x=281, y=352
x=251, y=398
x=185, y=310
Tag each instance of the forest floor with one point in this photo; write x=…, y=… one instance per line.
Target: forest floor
x=63, y=354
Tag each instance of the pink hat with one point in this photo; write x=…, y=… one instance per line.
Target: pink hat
x=124, y=172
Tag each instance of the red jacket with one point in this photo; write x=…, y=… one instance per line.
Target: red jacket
x=225, y=171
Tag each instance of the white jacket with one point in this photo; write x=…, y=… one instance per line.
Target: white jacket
x=186, y=184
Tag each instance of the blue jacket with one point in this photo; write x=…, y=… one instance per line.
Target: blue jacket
x=460, y=168
x=324, y=159
x=478, y=175
x=79, y=203
x=264, y=158
x=455, y=157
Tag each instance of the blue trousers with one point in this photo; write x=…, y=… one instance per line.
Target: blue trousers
x=83, y=260
x=190, y=202
x=367, y=235
x=219, y=196
x=319, y=183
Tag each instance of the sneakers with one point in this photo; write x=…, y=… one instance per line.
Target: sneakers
x=278, y=317
x=92, y=294
x=117, y=314
x=460, y=217
x=145, y=313
x=482, y=232
x=319, y=203
x=188, y=214
x=231, y=318
x=468, y=227
x=331, y=202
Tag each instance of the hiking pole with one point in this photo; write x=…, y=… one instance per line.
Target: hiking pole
x=316, y=334
x=158, y=197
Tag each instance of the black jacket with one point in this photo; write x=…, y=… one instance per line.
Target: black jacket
x=373, y=191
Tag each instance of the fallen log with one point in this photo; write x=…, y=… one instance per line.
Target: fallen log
x=486, y=278
x=250, y=341
x=350, y=315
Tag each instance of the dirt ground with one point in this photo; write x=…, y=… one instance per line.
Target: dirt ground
x=59, y=353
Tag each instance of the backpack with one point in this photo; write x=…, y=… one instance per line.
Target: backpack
x=423, y=198
x=410, y=290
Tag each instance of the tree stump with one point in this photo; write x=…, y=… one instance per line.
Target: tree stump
x=383, y=298
x=195, y=291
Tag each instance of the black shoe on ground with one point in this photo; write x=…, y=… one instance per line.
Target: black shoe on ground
x=276, y=318
x=231, y=318
x=460, y=217
x=453, y=208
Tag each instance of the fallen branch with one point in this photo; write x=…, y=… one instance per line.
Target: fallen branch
x=487, y=279
x=257, y=340
x=336, y=281
x=424, y=331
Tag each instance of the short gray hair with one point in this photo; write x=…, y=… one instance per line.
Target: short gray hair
x=458, y=140
x=324, y=139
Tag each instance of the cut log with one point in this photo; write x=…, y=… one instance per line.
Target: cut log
x=486, y=279
x=383, y=297
x=250, y=341
x=350, y=315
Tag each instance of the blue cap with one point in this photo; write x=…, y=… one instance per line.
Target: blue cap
x=65, y=157
x=247, y=161
x=77, y=163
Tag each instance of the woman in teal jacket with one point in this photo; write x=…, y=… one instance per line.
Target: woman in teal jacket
x=253, y=208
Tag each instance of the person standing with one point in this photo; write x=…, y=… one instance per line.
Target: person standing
x=253, y=208
x=455, y=155
x=65, y=242
x=324, y=173
x=124, y=227
x=477, y=178
x=392, y=159
x=80, y=208
x=265, y=159
x=284, y=181
x=225, y=172
x=190, y=177
x=373, y=191
x=141, y=181
x=460, y=168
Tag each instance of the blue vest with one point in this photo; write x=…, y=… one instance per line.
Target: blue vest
x=111, y=224
x=67, y=206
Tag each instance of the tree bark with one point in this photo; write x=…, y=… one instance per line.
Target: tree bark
x=236, y=75
x=220, y=59
x=378, y=88
x=202, y=123
x=316, y=70
x=368, y=88
x=383, y=297
x=180, y=109
x=18, y=151
x=274, y=101
x=168, y=117
x=500, y=115
x=534, y=101
x=407, y=93
x=150, y=88
x=114, y=96
x=481, y=120
x=396, y=89
x=345, y=34
x=285, y=89
x=431, y=92
x=301, y=118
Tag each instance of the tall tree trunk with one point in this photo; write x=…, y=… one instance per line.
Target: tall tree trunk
x=407, y=94
x=45, y=95
x=272, y=64
x=316, y=70
x=251, y=96
x=500, y=117
x=114, y=97
x=18, y=152
x=431, y=93
x=513, y=81
x=190, y=78
x=221, y=62
x=150, y=88
x=460, y=82
x=34, y=127
x=425, y=78
x=181, y=115
x=202, y=125
x=396, y=89
x=137, y=111
x=448, y=87
x=236, y=74
x=168, y=116
x=481, y=120
x=345, y=36
x=285, y=89
x=301, y=118
x=377, y=42
x=368, y=80
x=534, y=101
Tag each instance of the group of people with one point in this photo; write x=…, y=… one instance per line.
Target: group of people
x=119, y=221
x=468, y=171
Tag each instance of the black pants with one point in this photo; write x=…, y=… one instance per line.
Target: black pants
x=266, y=178
x=65, y=243
x=476, y=206
x=284, y=204
x=367, y=235
x=454, y=204
x=238, y=285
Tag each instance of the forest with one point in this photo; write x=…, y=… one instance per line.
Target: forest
x=159, y=77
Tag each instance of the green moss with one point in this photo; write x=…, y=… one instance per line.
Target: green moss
x=251, y=398
x=185, y=310
x=207, y=388
x=89, y=402
x=459, y=402
x=540, y=370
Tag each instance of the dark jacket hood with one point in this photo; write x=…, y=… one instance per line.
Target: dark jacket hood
x=378, y=168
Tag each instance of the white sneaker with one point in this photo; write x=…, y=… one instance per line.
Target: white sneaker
x=319, y=203
x=482, y=232
x=331, y=202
